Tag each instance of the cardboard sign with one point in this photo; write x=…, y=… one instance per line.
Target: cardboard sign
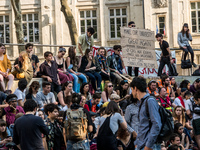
x=138, y=46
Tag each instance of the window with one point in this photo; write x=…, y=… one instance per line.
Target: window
x=162, y=25
x=31, y=28
x=195, y=16
x=4, y=29
x=88, y=18
x=118, y=18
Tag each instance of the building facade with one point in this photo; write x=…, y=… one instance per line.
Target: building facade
x=44, y=23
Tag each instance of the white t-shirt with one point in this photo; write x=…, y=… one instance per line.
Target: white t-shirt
x=177, y=102
x=42, y=99
x=188, y=104
x=20, y=95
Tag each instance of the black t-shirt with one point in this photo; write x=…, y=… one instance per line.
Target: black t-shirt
x=164, y=47
x=34, y=61
x=28, y=131
x=84, y=63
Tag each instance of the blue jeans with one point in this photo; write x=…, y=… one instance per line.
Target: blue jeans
x=81, y=145
x=94, y=77
x=81, y=76
x=155, y=147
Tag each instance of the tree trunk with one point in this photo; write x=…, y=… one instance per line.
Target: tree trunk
x=69, y=18
x=18, y=23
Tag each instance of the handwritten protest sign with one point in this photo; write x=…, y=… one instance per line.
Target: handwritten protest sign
x=138, y=47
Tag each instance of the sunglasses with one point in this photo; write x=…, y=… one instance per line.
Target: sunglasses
x=133, y=26
x=110, y=86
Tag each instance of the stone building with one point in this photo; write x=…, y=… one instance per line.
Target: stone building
x=44, y=23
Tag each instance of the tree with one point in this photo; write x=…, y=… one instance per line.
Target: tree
x=18, y=23
x=69, y=18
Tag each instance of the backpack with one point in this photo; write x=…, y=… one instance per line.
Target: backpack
x=75, y=124
x=167, y=121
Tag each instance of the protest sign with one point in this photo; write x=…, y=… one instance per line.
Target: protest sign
x=138, y=46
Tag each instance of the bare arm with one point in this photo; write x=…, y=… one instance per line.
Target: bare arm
x=188, y=126
x=187, y=143
x=89, y=64
x=20, y=103
x=123, y=125
x=68, y=64
x=60, y=98
x=104, y=98
x=64, y=135
x=188, y=112
x=44, y=143
x=80, y=49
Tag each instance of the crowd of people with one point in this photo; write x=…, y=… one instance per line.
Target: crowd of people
x=87, y=102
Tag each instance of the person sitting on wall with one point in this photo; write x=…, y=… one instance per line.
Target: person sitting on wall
x=116, y=64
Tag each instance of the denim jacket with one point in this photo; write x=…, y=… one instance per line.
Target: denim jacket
x=147, y=135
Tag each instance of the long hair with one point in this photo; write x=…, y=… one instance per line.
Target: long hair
x=87, y=51
x=66, y=84
x=112, y=108
x=175, y=84
x=184, y=84
x=106, y=86
x=26, y=60
x=122, y=133
x=35, y=85
x=72, y=55
x=82, y=88
x=182, y=120
x=121, y=90
x=183, y=32
x=3, y=134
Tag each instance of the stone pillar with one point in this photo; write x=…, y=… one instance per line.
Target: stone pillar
x=175, y=21
x=102, y=23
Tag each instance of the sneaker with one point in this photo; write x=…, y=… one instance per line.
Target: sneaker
x=194, y=65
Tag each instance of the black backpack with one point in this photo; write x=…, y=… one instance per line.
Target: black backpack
x=167, y=121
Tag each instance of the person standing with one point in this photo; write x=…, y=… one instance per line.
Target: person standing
x=183, y=41
x=55, y=139
x=34, y=59
x=166, y=57
x=149, y=127
x=131, y=24
x=28, y=129
x=85, y=41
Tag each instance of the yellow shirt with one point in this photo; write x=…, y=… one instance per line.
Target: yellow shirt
x=5, y=64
